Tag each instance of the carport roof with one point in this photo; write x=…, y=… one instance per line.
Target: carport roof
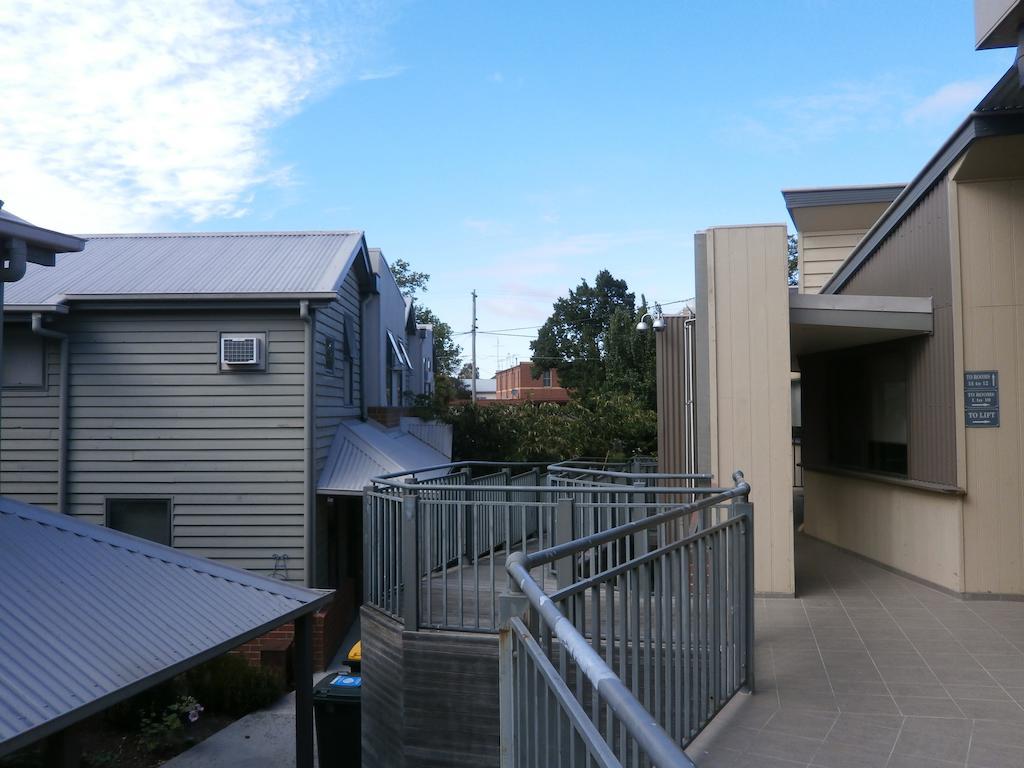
x=91, y=616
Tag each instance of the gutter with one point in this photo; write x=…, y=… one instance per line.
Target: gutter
x=308, y=495
x=63, y=407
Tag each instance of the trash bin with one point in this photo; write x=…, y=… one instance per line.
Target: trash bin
x=336, y=708
x=355, y=658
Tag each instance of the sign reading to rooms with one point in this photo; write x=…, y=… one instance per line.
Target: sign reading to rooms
x=981, y=398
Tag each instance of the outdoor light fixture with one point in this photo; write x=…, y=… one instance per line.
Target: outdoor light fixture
x=657, y=320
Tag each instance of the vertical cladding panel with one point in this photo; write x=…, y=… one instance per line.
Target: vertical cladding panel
x=671, y=405
x=914, y=260
x=153, y=415
x=29, y=436
x=332, y=403
x=748, y=353
x=991, y=227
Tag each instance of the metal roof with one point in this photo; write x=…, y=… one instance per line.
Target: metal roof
x=1005, y=95
x=200, y=265
x=90, y=616
x=39, y=239
x=363, y=450
x=807, y=198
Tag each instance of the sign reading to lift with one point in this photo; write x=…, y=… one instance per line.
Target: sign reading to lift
x=981, y=398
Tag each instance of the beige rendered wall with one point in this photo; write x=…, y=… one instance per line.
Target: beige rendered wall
x=988, y=226
x=745, y=300
x=821, y=254
x=914, y=531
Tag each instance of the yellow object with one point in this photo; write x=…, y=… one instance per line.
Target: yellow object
x=356, y=653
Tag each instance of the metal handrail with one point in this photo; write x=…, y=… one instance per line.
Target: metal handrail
x=648, y=734
x=568, y=548
x=574, y=467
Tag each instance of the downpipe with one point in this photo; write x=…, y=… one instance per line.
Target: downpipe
x=63, y=407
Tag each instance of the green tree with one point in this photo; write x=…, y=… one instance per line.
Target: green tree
x=630, y=358
x=573, y=338
x=409, y=281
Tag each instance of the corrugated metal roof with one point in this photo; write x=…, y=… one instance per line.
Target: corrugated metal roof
x=818, y=196
x=1005, y=95
x=89, y=616
x=363, y=450
x=200, y=264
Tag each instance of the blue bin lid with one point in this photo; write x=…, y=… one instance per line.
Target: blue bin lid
x=348, y=681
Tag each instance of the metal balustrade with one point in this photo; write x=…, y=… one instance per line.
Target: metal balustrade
x=446, y=531
x=626, y=666
x=623, y=598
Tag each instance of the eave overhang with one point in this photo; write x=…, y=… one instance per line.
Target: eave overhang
x=824, y=323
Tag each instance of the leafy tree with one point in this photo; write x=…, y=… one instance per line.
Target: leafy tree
x=447, y=353
x=615, y=425
x=630, y=358
x=793, y=260
x=466, y=372
x=409, y=281
x=573, y=339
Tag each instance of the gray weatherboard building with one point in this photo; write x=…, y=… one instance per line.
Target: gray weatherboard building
x=121, y=406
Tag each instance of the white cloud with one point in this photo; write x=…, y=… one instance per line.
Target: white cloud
x=385, y=73
x=125, y=114
x=952, y=100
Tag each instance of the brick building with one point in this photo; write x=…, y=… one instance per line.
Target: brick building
x=517, y=384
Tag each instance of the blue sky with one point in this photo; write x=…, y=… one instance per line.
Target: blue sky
x=513, y=148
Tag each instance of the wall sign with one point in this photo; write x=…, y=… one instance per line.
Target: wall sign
x=981, y=398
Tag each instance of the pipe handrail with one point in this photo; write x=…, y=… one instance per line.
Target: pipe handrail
x=651, y=737
x=569, y=466
x=558, y=551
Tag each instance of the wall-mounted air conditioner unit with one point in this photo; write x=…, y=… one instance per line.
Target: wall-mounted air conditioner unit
x=243, y=352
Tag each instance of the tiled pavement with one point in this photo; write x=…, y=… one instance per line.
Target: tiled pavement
x=871, y=670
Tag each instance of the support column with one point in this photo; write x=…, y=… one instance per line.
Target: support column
x=303, y=663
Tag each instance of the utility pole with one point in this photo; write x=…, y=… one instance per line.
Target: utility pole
x=474, y=372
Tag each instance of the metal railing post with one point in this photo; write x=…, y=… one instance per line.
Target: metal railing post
x=511, y=604
x=410, y=571
x=641, y=540
x=746, y=510
x=564, y=513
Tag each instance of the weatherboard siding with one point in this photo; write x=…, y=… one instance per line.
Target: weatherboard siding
x=29, y=422
x=153, y=415
x=332, y=403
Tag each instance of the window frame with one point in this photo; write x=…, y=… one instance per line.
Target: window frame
x=169, y=500
x=19, y=334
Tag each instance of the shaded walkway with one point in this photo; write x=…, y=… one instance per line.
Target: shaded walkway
x=872, y=670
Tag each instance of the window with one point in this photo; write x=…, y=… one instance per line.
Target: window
x=24, y=361
x=329, y=353
x=348, y=351
x=867, y=411
x=145, y=518
x=547, y=378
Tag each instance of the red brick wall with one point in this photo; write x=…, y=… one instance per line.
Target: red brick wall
x=326, y=638
x=389, y=417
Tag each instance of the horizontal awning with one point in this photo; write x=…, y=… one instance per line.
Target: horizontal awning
x=826, y=322
x=363, y=450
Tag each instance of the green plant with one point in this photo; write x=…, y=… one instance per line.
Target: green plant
x=230, y=686
x=167, y=729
